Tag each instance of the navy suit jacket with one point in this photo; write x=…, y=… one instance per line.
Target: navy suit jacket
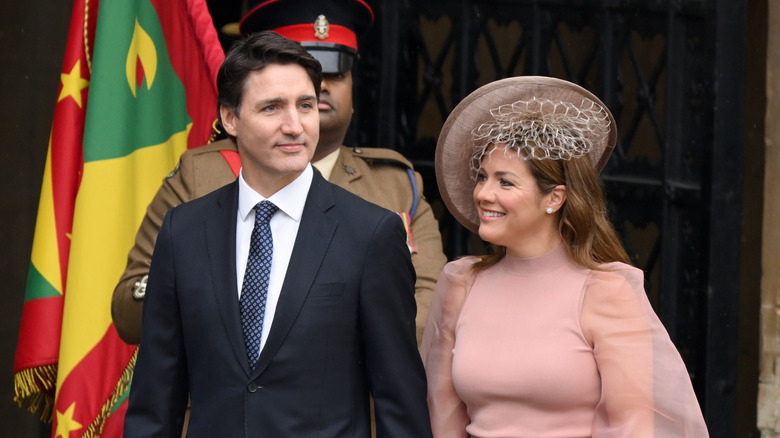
x=344, y=328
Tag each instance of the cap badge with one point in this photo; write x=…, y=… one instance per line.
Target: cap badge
x=321, y=27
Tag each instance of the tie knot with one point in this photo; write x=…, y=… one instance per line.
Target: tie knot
x=264, y=210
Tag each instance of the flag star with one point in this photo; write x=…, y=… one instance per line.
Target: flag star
x=65, y=422
x=72, y=84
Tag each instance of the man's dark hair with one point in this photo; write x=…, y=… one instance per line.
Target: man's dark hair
x=253, y=54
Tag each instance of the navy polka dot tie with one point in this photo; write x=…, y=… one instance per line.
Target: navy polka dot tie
x=254, y=291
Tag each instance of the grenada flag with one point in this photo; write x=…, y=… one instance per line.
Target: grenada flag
x=148, y=70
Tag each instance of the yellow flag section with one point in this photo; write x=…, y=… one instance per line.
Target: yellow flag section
x=47, y=262
x=94, y=365
x=110, y=190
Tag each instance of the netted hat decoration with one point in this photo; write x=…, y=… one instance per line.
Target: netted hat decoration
x=535, y=117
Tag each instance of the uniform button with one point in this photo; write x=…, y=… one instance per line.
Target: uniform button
x=252, y=387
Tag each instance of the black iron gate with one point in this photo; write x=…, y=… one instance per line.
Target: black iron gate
x=672, y=74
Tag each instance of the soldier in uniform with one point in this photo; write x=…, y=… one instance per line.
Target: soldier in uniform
x=329, y=31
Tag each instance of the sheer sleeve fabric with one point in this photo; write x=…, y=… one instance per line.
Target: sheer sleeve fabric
x=448, y=413
x=646, y=390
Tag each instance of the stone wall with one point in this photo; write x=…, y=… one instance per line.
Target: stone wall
x=769, y=380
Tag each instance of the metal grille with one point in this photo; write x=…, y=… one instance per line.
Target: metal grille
x=653, y=64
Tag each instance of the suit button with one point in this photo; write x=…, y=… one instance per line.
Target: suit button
x=252, y=387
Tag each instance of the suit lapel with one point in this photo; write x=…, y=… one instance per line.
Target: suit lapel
x=220, y=231
x=314, y=236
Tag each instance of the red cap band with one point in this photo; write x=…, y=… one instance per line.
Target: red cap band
x=305, y=32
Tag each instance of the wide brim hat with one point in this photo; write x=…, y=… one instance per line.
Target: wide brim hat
x=455, y=147
x=327, y=29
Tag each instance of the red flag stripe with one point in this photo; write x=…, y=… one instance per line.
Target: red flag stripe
x=67, y=159
x=182, y=49
x=109, y=366
x=40, y=318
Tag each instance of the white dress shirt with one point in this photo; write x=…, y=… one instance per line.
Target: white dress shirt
x=284, y=229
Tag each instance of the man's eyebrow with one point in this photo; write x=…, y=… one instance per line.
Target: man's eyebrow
x=270, y=100
x=281, y=99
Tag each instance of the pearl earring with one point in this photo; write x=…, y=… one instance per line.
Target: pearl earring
x=549, y=210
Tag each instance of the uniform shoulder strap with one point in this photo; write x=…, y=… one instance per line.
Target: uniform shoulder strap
x=391, y=157
x=382, y=155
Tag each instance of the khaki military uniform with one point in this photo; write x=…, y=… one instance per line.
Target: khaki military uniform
x=377, y=175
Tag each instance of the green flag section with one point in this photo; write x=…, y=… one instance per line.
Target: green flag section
x=135, y=93
x=150, y=84
x=39, y=287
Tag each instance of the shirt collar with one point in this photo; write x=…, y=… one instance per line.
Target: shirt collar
x=290, y=198
x=325, y=165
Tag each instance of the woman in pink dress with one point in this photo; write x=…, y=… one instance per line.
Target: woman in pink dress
x=551, y=335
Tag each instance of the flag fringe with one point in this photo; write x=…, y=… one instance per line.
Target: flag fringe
x=34, y=390
x=96, y=428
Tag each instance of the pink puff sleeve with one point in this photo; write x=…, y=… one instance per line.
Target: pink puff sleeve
x=645, y=387
x=448, y=413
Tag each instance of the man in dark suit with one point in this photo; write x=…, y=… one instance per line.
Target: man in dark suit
x=280, y=323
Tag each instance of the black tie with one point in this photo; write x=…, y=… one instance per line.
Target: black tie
x=254, y=291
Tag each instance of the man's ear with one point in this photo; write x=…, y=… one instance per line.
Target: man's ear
x=228, y=119
x=557, y=197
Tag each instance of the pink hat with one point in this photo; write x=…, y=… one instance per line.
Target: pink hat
x=455, y=148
